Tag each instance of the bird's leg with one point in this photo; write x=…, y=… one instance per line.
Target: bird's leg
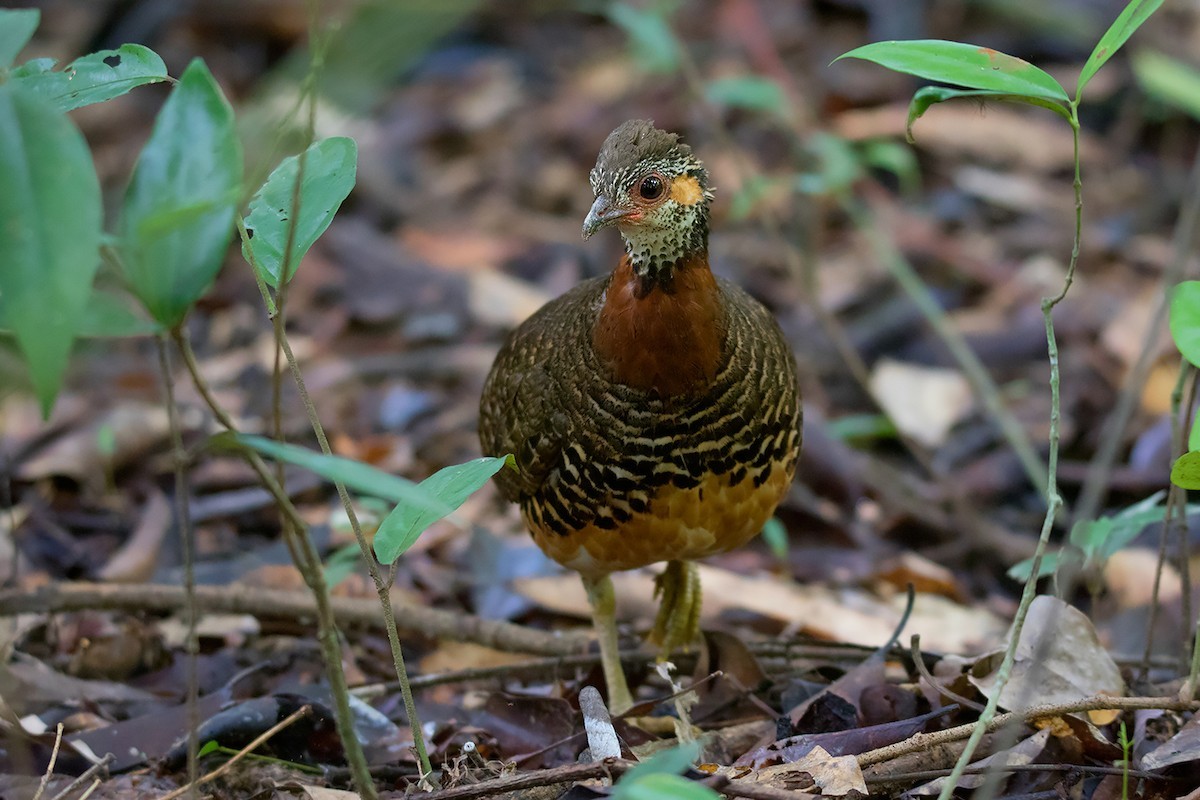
x=678, y=620
x=604, y=617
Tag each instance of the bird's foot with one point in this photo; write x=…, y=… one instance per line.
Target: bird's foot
x=678, y=622
x=604, y=606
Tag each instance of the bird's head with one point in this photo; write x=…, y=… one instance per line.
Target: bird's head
x=655, y=190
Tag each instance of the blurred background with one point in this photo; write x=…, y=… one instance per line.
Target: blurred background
x=477, y=123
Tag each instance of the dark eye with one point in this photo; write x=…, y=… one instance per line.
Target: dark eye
x=651, y=187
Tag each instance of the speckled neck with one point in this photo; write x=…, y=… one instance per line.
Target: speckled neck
x=654, y=252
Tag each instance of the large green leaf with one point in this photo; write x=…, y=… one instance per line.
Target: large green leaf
x=1169, y=80
x=1128, y=21
x=451, y=486
x=50, y=218
x=963, y=65
x=178, y=215
x=16, y=28
x=93, y=78
x=354, y=475
x=329, y=171
x=1185, y=319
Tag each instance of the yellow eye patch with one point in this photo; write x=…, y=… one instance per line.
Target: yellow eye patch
x=686, y=190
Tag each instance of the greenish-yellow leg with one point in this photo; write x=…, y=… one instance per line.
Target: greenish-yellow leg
x=678, y=621
x=604, y=617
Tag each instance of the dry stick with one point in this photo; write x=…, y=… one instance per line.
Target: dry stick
x=923, y=671
x=922, y=741
x=91, y=772
x=433, y=622
x=188, y=549
x=50, y=766
x=309, y=564
x=1091, y=496
x=303, y=711
x=1054, y=501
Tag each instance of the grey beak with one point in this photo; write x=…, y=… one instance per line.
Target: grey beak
x=602, y=214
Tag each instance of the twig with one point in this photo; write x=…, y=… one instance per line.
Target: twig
x=923, y=741
x=945, y=691
x=50, y=767
x=187, y=548
x=432, y=622
x=245, y=751
x=91, y=772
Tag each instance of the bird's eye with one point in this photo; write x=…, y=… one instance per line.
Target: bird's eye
x=651, y=187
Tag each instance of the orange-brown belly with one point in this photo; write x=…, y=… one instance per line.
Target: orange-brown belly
x=710, y=518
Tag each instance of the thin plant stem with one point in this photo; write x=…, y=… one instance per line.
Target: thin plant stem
x=309, y=564
x=1091, y=495
x=187, y=544
x=1054, y=501
x=1175, y=512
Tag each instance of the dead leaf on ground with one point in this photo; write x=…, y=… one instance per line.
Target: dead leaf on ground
x=1059, y=659
x=924, y=402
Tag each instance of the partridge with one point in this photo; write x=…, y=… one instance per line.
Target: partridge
x=654, y=412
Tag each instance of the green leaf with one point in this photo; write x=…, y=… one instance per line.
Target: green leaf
x=329, y=169
x=1194, y=432
x=662, y=786
x=1185, y=319
x=1169, y=80
x=658, y=777
x=891, y=156
x=862, y=427
x=650, y=35
x=1185, y=472
x=963, y=65
x=451, y=486
x=16, y=29
x=837, y=166
x=211, y=746
x=751, y=92
x=927, y=96
x=354, y=475
x=94, y=78
x=179, y=209
x=1128, y=21
x=776, y=537
x=109, y=315
x=342, y=564
x=1020, y=571
x=50, y=234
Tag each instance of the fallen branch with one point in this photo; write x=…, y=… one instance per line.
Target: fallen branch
x=923, y=741
x=348, y=611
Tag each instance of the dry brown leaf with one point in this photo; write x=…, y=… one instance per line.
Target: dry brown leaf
x=924, y=402
x=845, y=615
x=1059, y=659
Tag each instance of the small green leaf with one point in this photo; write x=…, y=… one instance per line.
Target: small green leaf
x=751, y=92
x=1169, y=80
x=354, y=475
x=451, y=486
x=50, y=234
x=329, y=171
x=927, y=96
x=650, y=35
x=1185, y=319
x=178, y=215
x=776, y=537
x=1128, y=21
x=862, y=427
x=1020, y=571
x=96, y=77
x=211, y=746
x=658, y=777
x=16, y=29
x=1185, y=472
x=963, y=65
x=891, y=156
x=662, y=786
x=342, y=564
x=837, y=166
